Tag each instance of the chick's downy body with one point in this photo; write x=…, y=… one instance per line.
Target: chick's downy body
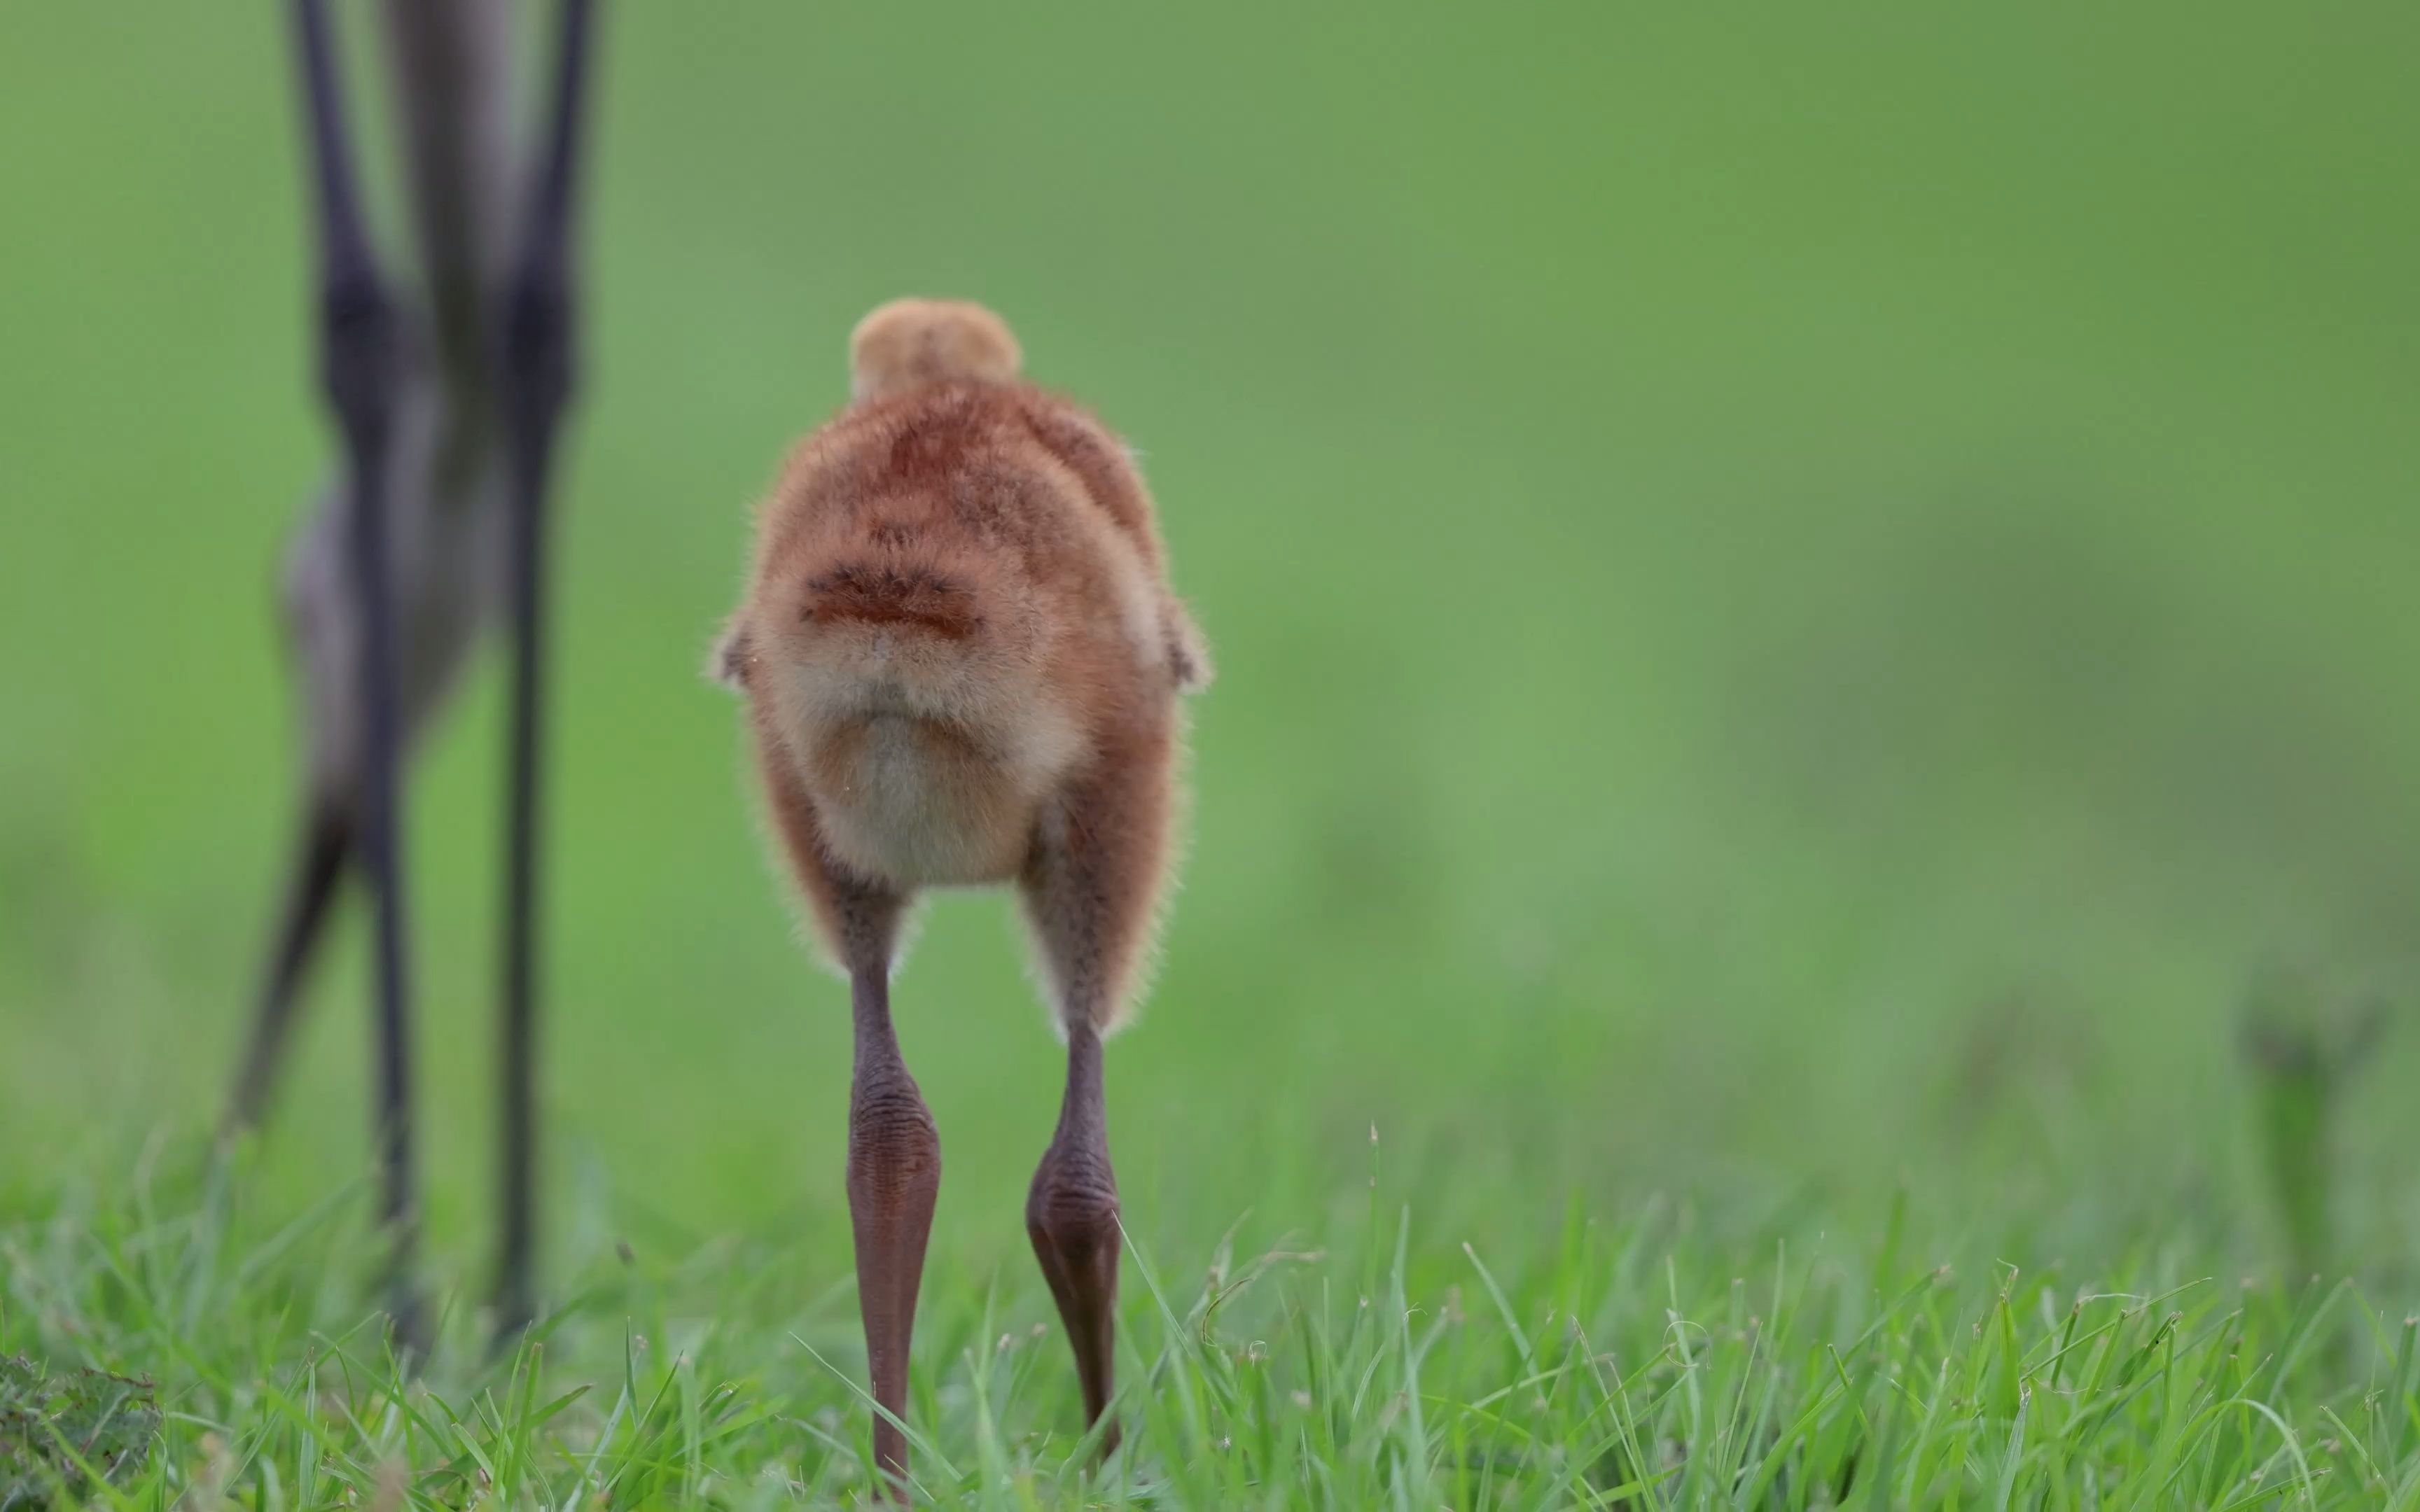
x=958, y=643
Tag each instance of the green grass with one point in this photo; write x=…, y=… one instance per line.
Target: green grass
x=1378, y=1364
x=1813, y=608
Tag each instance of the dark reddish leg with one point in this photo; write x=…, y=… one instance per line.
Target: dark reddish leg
x=1071, y=1215
x=1088, y=893
x=895, y=1174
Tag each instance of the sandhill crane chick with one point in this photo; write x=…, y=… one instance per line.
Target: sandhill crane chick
x=962, y=658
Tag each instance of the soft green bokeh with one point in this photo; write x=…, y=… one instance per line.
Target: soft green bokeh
x=1803, y=594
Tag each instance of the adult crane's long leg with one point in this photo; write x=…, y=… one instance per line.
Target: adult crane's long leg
x=536, y=374
x=323, y=851
x=359, y=355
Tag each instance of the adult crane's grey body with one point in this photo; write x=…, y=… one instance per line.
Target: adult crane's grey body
x=447, y=397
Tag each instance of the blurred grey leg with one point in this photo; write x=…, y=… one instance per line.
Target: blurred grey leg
x=358, y=357
x=536, y=373
x=319, y=867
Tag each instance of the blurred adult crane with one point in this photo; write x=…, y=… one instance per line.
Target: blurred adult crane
x=448, y=392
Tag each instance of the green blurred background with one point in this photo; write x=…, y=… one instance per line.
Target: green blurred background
x=1804, y=594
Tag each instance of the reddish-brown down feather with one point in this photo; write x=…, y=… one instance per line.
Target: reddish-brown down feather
x=963, y=660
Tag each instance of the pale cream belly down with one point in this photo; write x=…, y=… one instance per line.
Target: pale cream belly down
x=917, y=804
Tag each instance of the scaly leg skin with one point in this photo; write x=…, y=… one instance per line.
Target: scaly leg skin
x=894, y=1176
x=536, y=376
x=1071, y=1215
x=1089, y=892
x=359, y=356
x=895, y=1156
